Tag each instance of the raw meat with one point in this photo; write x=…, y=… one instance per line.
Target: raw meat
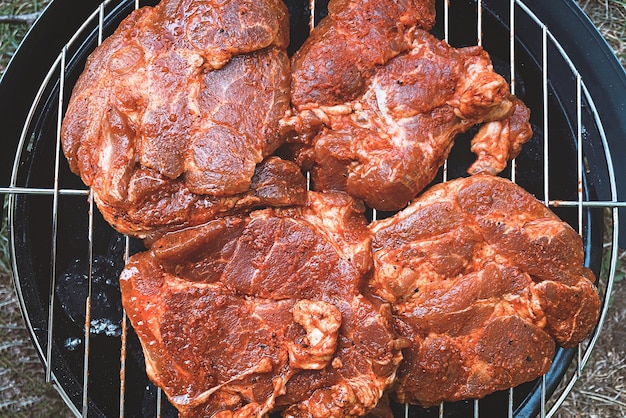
x=186, y=94
x=484, y=279
x=261, y=313
x=387, y=144
x=155, y=204
x=340, y=54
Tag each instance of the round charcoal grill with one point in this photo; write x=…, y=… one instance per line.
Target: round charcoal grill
x=66, y=259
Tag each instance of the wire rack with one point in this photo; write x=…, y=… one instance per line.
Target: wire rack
x=53, y=93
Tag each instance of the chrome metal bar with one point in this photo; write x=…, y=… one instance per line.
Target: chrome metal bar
x=544, y=82
x=87, y=330
x=42, y=191
x=479, y=23
x=446, y=18
x=124, y=341
x=476, y=409
x=512, y=45
x=579, y=170
x=579, y=153
x=159, y=401
x=512, y=69
x=510, y=404
x=446, y=31
x=55, y=226
x=543, y=396
x=588, y=204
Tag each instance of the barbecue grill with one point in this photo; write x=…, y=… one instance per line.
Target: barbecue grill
x=66, y=258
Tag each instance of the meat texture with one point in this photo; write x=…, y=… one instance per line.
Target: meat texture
x=387, y=144
x=342, y=51
x=256, y=313
x=187, y=95
x=155, y=204
x=484, y=279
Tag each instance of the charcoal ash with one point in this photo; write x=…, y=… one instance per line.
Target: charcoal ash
x=72, y=290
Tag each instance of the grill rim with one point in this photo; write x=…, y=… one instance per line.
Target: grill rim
x=15, y=64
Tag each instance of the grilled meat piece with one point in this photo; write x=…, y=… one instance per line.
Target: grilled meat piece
x=186, y=93
x=484, y=279
x=265, y=313
x=155, y=204
x=387, y=145
x=333, y=64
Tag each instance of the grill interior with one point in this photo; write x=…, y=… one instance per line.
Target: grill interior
x=66, y=258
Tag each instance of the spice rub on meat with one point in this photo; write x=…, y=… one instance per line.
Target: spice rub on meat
x=484, y=279
x=385, y=142
x=262, y=313
x=300, y=308
x=341, y=53
x=183, y=99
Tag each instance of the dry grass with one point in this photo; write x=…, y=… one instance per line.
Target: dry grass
x=600, y=392
x=22, y=391
x=609, y=16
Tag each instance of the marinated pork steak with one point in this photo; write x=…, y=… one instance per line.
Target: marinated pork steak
x=155, y=204
x=484, y=279
x=387, y=145
x=342, y=51
x=187, y=94
x=247, y=315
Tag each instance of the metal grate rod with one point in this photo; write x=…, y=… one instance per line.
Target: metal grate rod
x=543, y=396
x=87, y=330
x=512, y=69
x=446, y=17
x=479, y=23
x=544, y=83
x=446, y=37
x=55, y=226
x=43, y=191
x=512, y=45
x=124, y=337
x=579, y=153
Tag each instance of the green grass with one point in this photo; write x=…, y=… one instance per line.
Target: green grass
x=12, y=34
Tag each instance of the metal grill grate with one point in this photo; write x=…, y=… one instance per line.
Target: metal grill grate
x=590, y=161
